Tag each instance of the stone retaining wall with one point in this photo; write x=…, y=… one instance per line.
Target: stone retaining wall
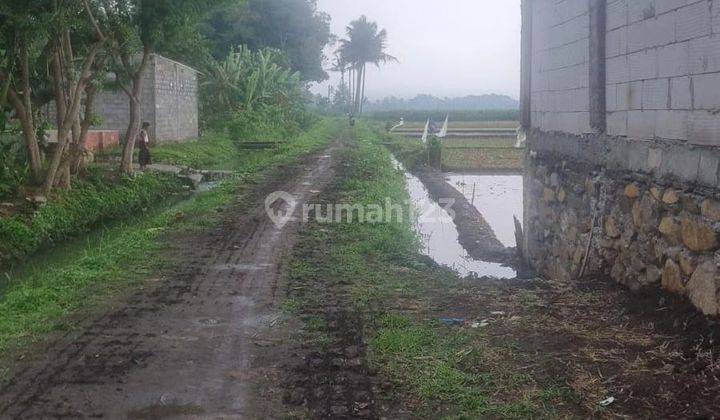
x=649, y=228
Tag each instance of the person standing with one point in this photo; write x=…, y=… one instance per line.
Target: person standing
x=145, y=159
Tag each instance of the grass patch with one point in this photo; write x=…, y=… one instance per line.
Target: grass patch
x=79, y=210
x=40, y=298
x=439, y=371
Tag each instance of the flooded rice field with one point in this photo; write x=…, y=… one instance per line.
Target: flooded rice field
x=439, y=234
x=497, y=197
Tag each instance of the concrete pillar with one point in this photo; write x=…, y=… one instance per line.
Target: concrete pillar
x=526, y=65
x=598, y=105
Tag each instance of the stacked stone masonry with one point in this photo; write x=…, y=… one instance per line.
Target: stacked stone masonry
x=643, y=189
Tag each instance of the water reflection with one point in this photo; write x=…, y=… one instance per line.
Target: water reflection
x=497, y=197
x=440, y=236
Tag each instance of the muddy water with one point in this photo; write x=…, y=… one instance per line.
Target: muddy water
x=497, y=197
x=439, y=235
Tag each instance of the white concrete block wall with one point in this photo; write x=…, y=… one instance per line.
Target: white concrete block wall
x=663, y=69
x=560, y=94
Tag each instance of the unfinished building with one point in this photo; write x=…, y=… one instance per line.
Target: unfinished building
x=621, y=103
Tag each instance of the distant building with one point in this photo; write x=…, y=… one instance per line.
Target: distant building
x=169, y=102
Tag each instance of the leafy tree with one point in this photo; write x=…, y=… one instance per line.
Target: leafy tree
x=134, y=29
x=247, y=79
x=364, y=44
x=53, y=35
x=295, y=27
x=23, y=31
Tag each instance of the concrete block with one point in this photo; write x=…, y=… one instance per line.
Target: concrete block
x=634, y=95
x=656, y=94
x=706, y=91
x=664, y=6
x=637, y=152
x=616, y=42
x=693, y=21
x=617, y=70
x=643, y=65
x=704, y=128
x=640, y=10
x=611, y=103
x=655, y=157
x=673, y=60
x=641, y=125
x=672, y=125
x=704, y=54
x=680, y=93
x=617, y=14
x=617, y=123
x=708, y=169
x=650, y=33
x=681, y=162
x=623, y=96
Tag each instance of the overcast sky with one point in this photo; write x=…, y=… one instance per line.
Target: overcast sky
x=445, y=48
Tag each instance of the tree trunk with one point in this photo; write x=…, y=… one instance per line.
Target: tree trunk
x=358, y=88
x=358, y=85
x=362, y=96
x=126, y=164
x=77, y=84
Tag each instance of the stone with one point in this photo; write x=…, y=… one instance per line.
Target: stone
x=710, y=209
x=548, y=195
x=554, y=180
x=671, y=197
x=611, y=228
x=561, y=195
x=645, y=213
x=656, y=193
x=697, y=235
x=702, y=288
x=618, y=271
x=632, y=191
x=672, y=278
x=690, y=205
x=192, y=180
x=670, y=229
x=652, y=274
x=37, y=199
x=687, y=263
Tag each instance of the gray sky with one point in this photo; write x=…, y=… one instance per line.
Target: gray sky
x=445, y=48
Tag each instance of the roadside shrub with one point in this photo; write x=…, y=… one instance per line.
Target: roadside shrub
x=79, y=210
x=13, y=163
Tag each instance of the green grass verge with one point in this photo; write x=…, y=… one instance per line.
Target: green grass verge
x=440, y=372
x=79, y=210
x=41, y=297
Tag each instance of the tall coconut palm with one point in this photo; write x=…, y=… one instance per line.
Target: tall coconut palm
x=364, y=44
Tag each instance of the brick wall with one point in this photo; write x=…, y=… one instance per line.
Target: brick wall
x=663, y=70
x=560, y=66
x=625, y=162
x=176, y=102
x=169, y=102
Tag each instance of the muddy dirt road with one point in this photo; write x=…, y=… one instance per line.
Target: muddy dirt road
x=190, y=345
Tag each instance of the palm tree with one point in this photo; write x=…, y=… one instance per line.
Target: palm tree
x=364, y=44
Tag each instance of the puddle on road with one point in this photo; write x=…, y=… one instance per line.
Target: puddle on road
x=439, y=235
x=497, y=197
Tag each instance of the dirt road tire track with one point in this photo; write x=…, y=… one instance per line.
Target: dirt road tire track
x=188, y=347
